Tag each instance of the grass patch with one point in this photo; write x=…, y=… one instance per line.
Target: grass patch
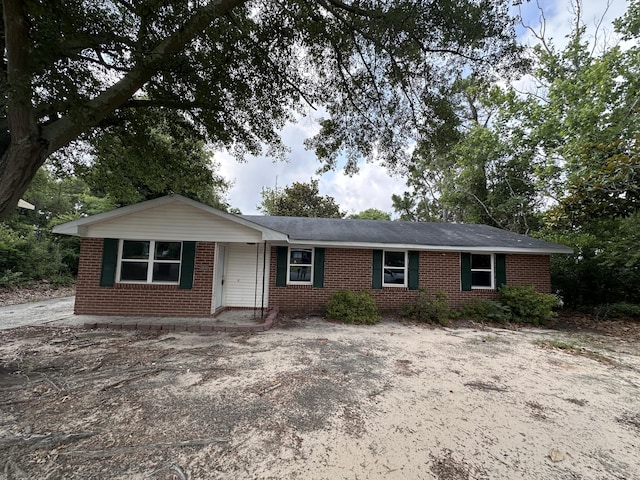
x=573, y=348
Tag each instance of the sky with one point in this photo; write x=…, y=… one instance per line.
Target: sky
x=372, y=187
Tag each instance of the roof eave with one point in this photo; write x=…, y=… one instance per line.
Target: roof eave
x=438, y=248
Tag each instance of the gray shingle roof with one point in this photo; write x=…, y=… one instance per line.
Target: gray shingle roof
x=402, y=233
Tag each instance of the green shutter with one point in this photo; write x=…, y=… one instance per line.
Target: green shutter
x=501, y=270
x=109, y=261
x=414, y=270
x=465, y=271
x=188, y=265
x=376, y=275
x=318, y=268
x=282, y=264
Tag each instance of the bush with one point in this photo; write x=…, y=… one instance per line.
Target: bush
x=349, y=307
x=27, y=256
x=482, y=309
x=428, y=308
x=527, y=305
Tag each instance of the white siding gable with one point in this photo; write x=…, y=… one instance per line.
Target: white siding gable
x=173, y=221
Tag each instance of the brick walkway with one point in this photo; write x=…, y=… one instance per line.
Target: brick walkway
x=184, y=324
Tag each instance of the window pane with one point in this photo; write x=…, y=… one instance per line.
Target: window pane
x=482, y=262
x=135, y=250
x=168, y=250
x=394, y=259
x=134, y=271
x=394, y=275
x=299, y=274
x=301, y=256
x=481, y=279
x=166, y=272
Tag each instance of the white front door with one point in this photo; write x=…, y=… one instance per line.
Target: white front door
x=219, y=270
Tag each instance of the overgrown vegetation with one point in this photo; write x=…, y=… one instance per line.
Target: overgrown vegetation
x=428, y=308
x=483, y=309
x=516, y=303
x=349, y=307
x=526, y=305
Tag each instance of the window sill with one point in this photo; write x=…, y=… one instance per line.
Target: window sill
x=301, y=286
x=145, y=286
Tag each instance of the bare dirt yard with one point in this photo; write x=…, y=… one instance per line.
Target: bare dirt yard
x=311, y=399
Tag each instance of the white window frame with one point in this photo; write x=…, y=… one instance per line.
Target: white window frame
x=150, y=261
x=289, y=265
x=490, y=270
x=405, y=268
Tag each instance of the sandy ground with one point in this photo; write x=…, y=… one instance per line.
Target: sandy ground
x=316, y=400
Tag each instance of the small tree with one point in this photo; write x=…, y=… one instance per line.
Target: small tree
x=371, y=214
x=299, y=200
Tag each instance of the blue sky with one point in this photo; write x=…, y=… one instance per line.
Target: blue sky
x=372, y=187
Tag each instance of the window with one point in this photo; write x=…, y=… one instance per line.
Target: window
x=394, y=269
x=481, y=271
x=149, y=261
x=300, y=266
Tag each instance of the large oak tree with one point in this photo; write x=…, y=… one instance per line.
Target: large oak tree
x=238, y=70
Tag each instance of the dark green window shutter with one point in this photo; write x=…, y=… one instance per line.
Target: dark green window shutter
x=376, y=278
x=282, y=265
x=109, y=261
x=465, y=271
x=414, y=270
x=318, y=268
x=188, y=265
x=501, y=269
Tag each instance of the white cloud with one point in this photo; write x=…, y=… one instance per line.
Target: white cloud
x=372, y=187
x=558, y=18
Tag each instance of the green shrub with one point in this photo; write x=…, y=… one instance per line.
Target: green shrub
x=349, y=307
x=428, y=308
x=9, y=278
x=527, y=305
x=483, y=309
x=617, y=310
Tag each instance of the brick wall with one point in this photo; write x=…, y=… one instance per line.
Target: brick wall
x=439, y=271
x=142, y=299
x=344, y=269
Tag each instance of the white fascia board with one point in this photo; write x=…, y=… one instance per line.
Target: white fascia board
x=26, y=205
x=433, y=248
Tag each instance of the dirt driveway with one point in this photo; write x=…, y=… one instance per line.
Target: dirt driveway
x=315, y=400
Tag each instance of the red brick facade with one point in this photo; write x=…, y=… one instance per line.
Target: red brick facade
x=351, y=269
x=343, y=269
x=139, y=299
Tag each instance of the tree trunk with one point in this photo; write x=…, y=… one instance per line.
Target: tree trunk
x=18, y=164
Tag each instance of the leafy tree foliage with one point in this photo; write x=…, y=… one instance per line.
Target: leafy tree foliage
x=150, y=154
x=299, y=200
x=238, y=69
x=28, y=250
x=479, y=173
x=371, y=214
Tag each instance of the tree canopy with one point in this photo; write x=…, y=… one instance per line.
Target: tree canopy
x=299, y=200
x=371, y=214
x=238, y=70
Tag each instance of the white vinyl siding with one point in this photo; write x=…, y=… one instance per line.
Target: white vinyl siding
x=242, y=286
x=174, y=221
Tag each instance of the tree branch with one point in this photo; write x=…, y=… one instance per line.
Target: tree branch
x=61, y=132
